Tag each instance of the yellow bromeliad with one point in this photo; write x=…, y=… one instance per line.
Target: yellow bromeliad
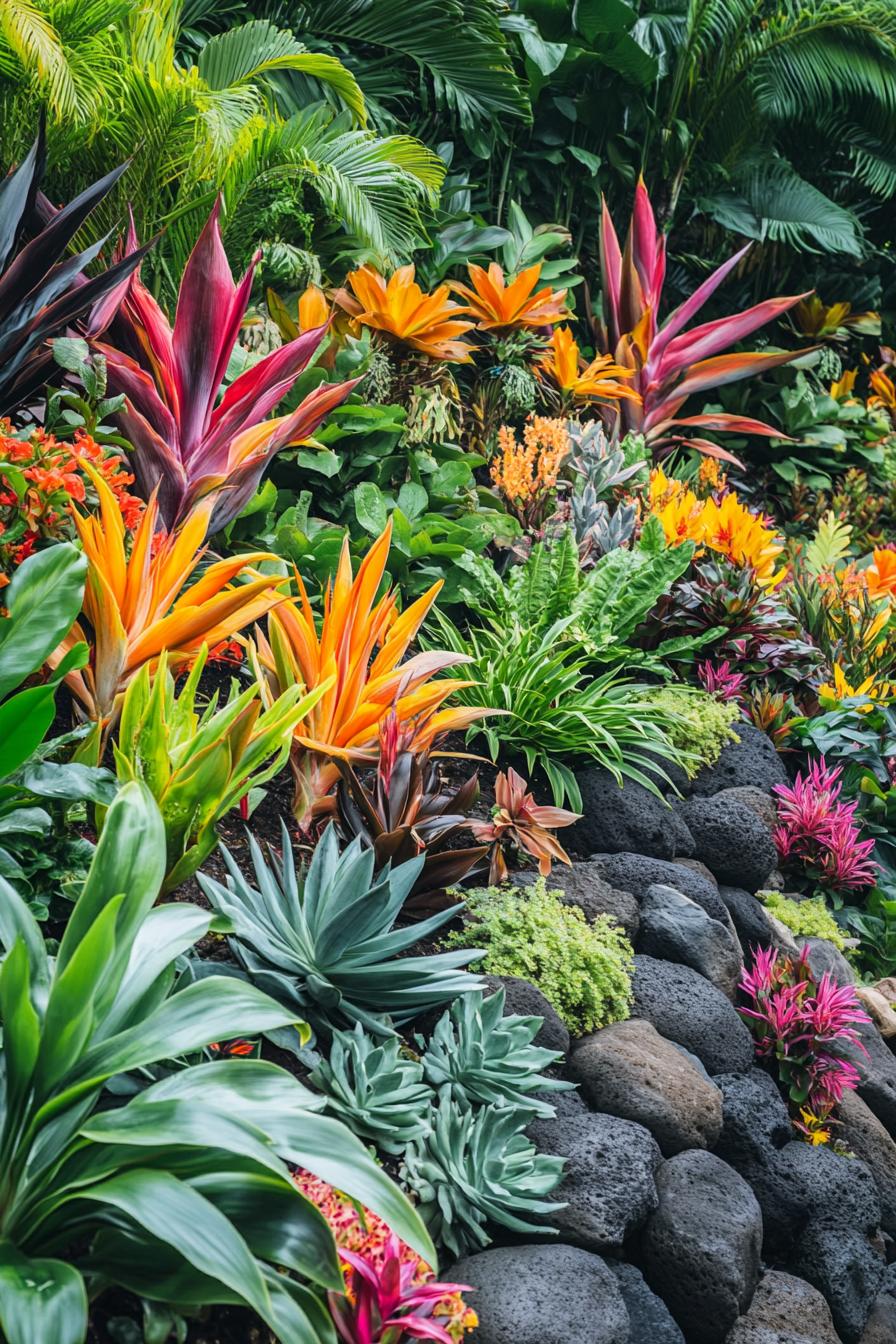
x=562, y=366
x=832, y=693
x=136, y=605
x=725, y=525
x=502, y=305
x=360, y=646
x=399, y=310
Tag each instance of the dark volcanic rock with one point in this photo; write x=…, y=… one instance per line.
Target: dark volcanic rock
x=750, y=919
x=688, y=1009
x=878, y=1070
x=526, y=999
x=880, y=1327
x=751, y=761
x=763, y=804
x=785, y=1310
x=629, y=818
x=755, y=1119
x=731, y=840
x=675, y=928
x=825, y=958
x=865, y=1136
x=583, y=885
x=543, y=1295
x=630, y=1070
x=701, y=1247
x=608, y=1187
x=637, y=872
x=649, y=1318
x=846, y=1269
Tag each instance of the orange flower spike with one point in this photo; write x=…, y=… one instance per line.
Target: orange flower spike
x=499, y=305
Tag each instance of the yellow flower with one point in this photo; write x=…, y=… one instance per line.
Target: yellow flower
x=844, y=385
x=399, y=309
x=499, y=306
x=313, y=309
x=677, y=507
x=731, y=529
x=561, y=365
x=841, y=690
x=885, y=391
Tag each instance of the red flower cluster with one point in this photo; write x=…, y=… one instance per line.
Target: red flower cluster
x=809, y=1029
x=818, y=830
x=40, y=477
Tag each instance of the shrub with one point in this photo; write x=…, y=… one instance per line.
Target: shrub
x=700, y=724
x=583, y=969
x=808, y=919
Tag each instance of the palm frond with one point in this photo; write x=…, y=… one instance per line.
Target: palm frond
x=793, y=211
x=33, y=44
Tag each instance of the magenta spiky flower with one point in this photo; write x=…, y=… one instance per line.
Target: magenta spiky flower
x=817, y=830
x=721, y=680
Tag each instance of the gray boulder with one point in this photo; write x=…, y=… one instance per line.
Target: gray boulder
x=785, y=1310
x=865, y=1136
x=880, y=1327
x=750, y=918
x=688, y=1009
x=825, y=958
x=731, y=840
x=637, y=872
x=846, y=1269
x=608, y=1187
x=701, y=1247
x=751, y=761
x=526, y=999
x=649, y=1318
x=630, y=1070
x=543, y=1295
x=627, y=817
x=675, y=928
x=877, y=1065
x=582, y=885
x=755, y=1119
x=757, y=800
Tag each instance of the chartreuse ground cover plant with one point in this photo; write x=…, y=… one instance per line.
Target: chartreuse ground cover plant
x=809, y=918
x=583, y=968
x=183, y=1194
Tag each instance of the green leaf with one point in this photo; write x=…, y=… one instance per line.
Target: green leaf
x=603, y=16
x=43, y=599
x=41, y=1301
x=370, y=508
x=412, y=500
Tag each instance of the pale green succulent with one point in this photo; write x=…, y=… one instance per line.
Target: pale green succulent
x=482, y=1056
x=375, y=1089
x=323, y=938
x=475, y=1167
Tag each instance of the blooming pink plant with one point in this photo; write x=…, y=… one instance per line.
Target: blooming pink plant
x=721, y=680
x=808, y=1028
x=817, y=829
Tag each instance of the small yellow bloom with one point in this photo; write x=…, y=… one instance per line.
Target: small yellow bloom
x=844, y=385
x=841, y=690
x=526, y=473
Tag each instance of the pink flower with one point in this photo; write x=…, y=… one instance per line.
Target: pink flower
x=720, y=680
x=818, y=830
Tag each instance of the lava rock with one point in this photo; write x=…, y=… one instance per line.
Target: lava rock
x=755, y=1120
x=608, y=1188
x=756, y=800
x=753, y=760
x=649, y=1318
x=825, y=958
x=785, y=1310
x=731, y=840
x=541, y=1294
x=750, y=918
x=688, y=1009
x=637, y=872
x=865, y=1136
x=627, y=817
x=877, y=1066
x=880, y=1327
x=630, y=1070
x=842, y=1264
x=568, y=1106
x=675, y=928
x=582, y=885
x=526, y=999
x=701, y=1246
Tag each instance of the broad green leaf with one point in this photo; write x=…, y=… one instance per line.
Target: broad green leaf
x=41, y=1301
x=43, y=599
x=370, y=508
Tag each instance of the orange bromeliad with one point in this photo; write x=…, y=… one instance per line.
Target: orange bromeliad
x=562, y=365
x=361, y=645
x=724, y=525
x=136, y=606
x=400, y=311
x=881, y=575
x=499, y=305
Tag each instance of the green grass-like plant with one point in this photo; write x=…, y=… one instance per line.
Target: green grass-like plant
x=583, y=969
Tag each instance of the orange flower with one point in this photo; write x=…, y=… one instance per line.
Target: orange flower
x=881, y=574
x=499, y=306
x=527, y=473
x=360, y=649
x=885, y=391
x=561, y=365
x=136, y=606
x=726, y=526
x=844, y=385
x=399, y=309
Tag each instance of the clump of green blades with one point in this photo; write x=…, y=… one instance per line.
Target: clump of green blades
x=199, y=766
x=323, y=938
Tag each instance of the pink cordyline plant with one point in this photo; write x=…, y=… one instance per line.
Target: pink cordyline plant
x=817, y=829
x=384, y=1304
x=187, y=441
x=721, y=680
x=519, y=822
x=808, y=1028
x=671, y=364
